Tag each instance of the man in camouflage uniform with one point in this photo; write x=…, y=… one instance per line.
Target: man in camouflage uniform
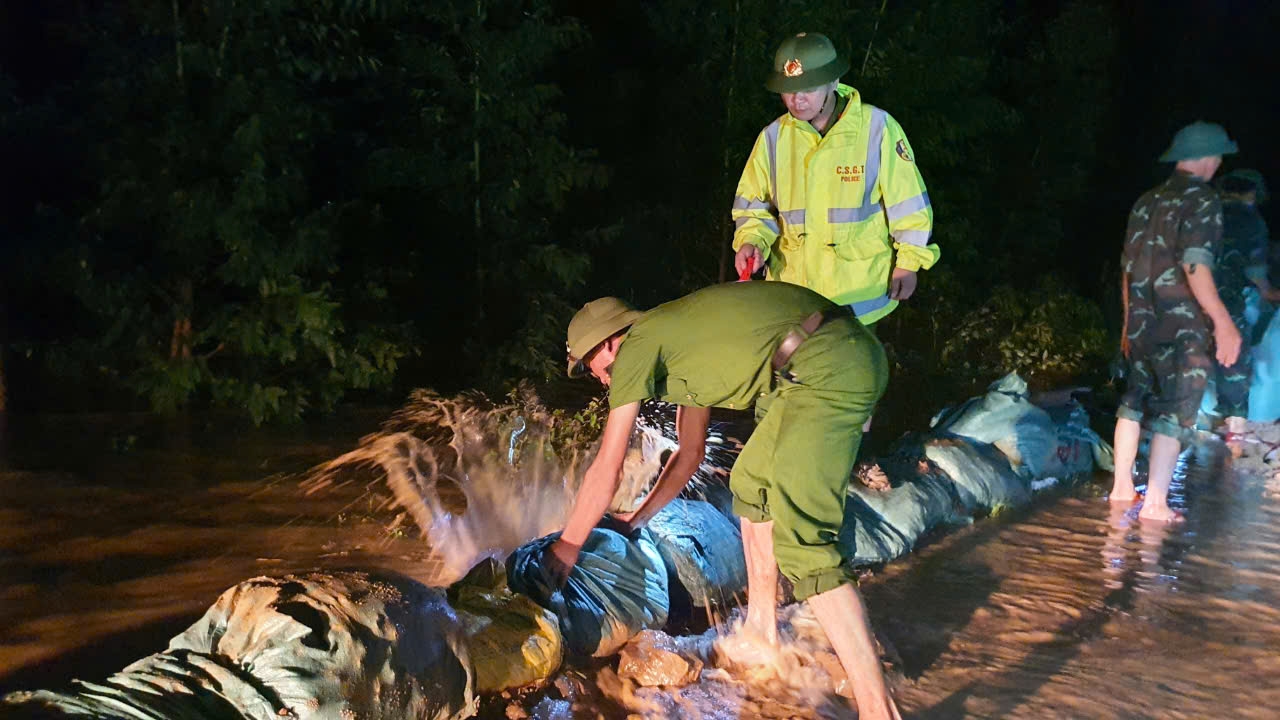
x=1171, y=306
x=1242, y=265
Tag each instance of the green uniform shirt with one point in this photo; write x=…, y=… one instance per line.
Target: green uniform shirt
x=1179, y=221
x=711, y=348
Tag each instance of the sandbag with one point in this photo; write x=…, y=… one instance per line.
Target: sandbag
x=881, y=525
x=513, y=642
x=179, y=685
x=314, y=645
x=618, y=588
x=704, y=549
x=1080, y=450
x=1005, y=418
x=983, y=477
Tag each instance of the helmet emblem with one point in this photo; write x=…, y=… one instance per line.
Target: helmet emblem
x=793, y=68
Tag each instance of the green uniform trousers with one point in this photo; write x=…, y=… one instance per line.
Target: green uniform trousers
x=795, y=468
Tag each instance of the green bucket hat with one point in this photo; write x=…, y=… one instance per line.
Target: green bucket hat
x=804, y=62
x=1197, y=140
x=596, y=322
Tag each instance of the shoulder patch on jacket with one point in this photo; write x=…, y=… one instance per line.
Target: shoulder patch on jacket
x=903, y=151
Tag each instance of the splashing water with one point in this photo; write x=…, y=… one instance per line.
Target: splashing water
x=480, y=479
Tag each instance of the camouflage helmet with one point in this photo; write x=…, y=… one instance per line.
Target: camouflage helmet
x=1197, y=140
x=803, y=62
x=596, y=322
x=1244, y=181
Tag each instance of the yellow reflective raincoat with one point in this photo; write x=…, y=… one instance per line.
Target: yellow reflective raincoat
x=837, y=213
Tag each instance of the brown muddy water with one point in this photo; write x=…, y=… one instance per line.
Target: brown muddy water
x=117, y=533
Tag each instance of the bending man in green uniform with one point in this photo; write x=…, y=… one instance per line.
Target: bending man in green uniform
x=731, y=346
x=1171, y=306
x=1243, y=265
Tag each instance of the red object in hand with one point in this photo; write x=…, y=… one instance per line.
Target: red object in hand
x=745, y=274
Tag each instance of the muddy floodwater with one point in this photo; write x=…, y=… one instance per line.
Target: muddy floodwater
x=115, y=534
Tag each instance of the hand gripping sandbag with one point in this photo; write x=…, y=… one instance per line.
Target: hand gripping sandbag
x=704, y=548
x=618, y=588
x=881, y=525
x=329, y=645
x=1005, y=417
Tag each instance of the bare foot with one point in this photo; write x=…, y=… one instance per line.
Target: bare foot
x=1124, y=497
x=1166, y=515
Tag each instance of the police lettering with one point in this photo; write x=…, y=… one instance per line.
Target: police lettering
x=849, y=173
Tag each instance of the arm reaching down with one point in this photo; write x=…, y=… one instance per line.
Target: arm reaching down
x=1225, y=335
x=598, y=487
x=691, y=434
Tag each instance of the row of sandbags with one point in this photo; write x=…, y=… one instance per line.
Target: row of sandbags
x=341, y=644
x=986, y=455
x=355, y=644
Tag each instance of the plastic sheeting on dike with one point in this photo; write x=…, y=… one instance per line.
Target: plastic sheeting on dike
x=704, y=549
x=1005, y=417
x=880, y=525
x=618, y=588
x=313, y=645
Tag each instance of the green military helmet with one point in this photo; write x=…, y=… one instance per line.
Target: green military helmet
x=803, y=62
x=1243, y=181
x=596, y=322
x=1197, y=140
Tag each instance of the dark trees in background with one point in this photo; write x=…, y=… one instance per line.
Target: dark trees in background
x=279, y=205
x=288, y=198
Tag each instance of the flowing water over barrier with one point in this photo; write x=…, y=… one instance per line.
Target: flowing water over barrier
x=479, y=478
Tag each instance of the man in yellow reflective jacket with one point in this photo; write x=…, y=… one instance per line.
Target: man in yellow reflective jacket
x=831, y=197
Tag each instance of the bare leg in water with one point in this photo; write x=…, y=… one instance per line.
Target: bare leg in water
x=1164, y=456
x=1126, y=453
x=843, y=617
x=841, y=613
x=762, y=580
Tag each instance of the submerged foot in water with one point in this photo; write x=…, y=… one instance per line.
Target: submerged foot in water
x=1124, y=496
x=1164, y=514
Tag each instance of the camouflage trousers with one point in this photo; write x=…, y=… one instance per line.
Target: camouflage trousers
x=1232, y=383
x=1167, y=381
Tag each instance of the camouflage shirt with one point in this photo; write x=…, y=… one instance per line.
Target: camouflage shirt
x=1177, y=222
x=1244, y=254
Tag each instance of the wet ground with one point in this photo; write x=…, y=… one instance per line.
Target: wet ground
x=116, y=534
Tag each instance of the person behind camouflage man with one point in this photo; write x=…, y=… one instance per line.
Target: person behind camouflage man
x=1173, y=316
x=1242, y=265
x=733, y=345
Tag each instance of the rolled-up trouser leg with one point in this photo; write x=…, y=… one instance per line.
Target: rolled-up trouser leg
x=1181, y=372
x=795, y=471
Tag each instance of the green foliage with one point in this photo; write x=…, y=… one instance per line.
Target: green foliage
x=267, y=173
x=1049, y=335
x=571, y=432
